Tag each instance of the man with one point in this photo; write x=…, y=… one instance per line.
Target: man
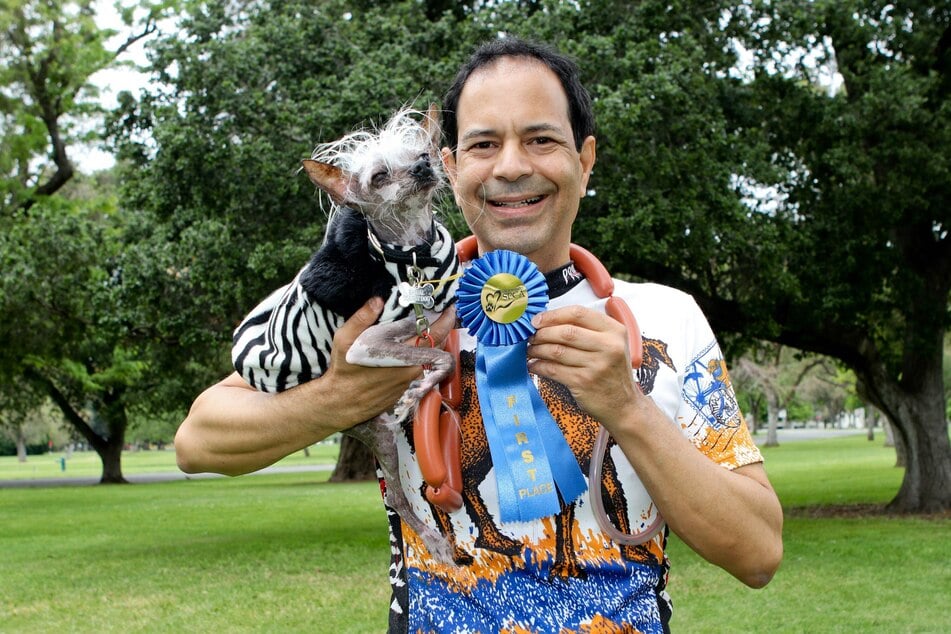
x=520, y=128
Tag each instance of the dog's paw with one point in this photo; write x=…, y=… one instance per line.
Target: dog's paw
x=415, y=392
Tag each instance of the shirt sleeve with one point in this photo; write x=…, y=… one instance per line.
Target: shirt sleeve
x=709, y=412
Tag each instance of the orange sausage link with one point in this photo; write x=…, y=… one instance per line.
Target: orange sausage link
x=601, y=282
x=467, y=249
x=426, y=438
x=448, y=495
x=619, y=310
x=444, y=498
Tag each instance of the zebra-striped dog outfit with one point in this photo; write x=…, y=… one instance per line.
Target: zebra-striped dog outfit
x=286, y=339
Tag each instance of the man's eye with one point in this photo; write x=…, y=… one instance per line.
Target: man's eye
x=542, y=140
x=378, y=179
x=481, y=145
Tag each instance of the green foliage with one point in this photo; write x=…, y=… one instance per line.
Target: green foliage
x=799, y=410
x=67, y=328
x=865, y=171
x=252, y=92
x=815, y=219
x=793, y=214
x=48, y=53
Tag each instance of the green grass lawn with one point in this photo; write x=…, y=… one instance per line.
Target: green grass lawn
x=292, y=553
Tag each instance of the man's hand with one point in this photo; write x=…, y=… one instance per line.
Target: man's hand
x=587, y=352
x=371, y=391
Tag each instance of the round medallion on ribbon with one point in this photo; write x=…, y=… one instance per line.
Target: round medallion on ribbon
x=498, y=296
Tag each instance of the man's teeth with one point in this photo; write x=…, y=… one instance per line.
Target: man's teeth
x=520, y=203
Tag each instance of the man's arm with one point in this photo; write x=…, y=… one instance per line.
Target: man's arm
x=734, y=519
x=234, y=429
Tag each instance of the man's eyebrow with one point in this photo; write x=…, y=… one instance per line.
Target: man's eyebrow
x=543, y=127
x=529, y=129
x=472, y=134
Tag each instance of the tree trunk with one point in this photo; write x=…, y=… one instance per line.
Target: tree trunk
x=355, y=462
x=916, y=408
x=111, y=407
x=21, y=444
x=111, y=455
x=110, y=446
x=752, y=420
x=894, y=440
x=772, y=417
x=901, y=456
x=889, y=433
x=926, y=486
x=870, y=424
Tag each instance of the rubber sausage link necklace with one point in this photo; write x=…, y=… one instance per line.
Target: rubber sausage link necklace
x=436, y=428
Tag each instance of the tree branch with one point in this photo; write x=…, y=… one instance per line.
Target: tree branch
x=150, y=27
x=62, y=402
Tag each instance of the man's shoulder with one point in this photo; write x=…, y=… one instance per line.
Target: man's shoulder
x=650, y=291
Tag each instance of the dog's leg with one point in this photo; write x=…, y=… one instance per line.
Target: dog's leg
x=384, y=346
x=380, y=435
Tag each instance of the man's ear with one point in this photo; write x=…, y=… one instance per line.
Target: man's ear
x=329, y=178
x=587, y=156
x=449, y=164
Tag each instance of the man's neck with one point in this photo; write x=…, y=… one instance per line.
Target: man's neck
x=562, y=279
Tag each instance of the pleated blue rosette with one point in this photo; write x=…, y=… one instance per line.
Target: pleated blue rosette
x=533, y=462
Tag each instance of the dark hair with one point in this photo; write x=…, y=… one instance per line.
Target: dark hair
x=580, y=113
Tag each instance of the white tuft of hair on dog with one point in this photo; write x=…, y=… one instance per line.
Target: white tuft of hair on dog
x=376, y=164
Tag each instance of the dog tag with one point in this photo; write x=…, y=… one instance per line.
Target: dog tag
x=422, y=295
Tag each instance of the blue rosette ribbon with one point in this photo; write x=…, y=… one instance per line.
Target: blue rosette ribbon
x=498, y=296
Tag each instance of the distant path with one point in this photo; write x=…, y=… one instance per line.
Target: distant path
x=144, y=478
x=794, y=435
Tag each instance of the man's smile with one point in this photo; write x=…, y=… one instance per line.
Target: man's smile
x=515, y=203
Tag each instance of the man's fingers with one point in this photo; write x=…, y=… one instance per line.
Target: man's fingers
x=579, y=316
x=563, y=355
x=365, y=317
x=441, y=328
x=574, y=327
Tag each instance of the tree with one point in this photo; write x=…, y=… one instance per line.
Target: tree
x=865, y=175
x=49, y=50
x=780, y=375
x=25, y=419
x=64, y=327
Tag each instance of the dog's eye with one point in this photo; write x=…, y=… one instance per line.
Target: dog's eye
x=378, y=179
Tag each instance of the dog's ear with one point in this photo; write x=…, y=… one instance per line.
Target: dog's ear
x=329, y=178
x=432, y=127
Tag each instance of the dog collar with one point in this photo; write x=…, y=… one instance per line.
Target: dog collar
x=418, y=255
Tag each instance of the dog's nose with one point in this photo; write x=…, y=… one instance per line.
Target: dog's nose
x=422, y=170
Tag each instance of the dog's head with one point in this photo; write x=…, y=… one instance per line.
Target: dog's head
x=390, y=175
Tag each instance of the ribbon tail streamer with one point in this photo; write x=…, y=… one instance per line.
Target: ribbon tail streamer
x=532, y=458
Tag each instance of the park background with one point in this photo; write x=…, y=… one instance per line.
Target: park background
x=785, y=162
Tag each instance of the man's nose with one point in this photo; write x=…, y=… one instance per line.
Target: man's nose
x=511, y=162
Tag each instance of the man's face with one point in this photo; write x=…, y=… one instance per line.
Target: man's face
x=516, y=173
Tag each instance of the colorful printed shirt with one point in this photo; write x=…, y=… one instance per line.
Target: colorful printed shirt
x=562, y=573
